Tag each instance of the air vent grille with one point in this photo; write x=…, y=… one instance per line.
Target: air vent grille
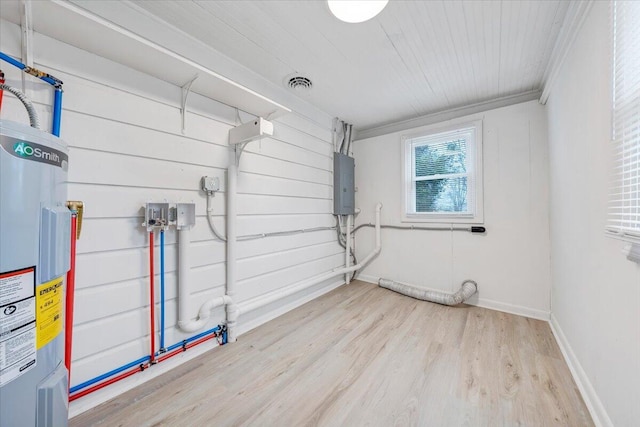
x=300, y=83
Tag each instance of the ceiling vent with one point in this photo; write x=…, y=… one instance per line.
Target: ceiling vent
x=298, y=83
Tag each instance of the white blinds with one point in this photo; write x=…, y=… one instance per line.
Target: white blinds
x=624, y=204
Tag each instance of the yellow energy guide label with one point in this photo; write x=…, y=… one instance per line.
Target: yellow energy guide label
x=48, y=311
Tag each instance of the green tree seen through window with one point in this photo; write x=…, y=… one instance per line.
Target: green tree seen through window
x=435, y=192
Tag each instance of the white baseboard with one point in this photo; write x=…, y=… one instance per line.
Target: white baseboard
x=519, y=310
x=589, y=395
x=318, y=291
x=487, y=303
x=367, y=278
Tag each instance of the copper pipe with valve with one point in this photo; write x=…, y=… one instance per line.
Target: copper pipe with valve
x=77, y=207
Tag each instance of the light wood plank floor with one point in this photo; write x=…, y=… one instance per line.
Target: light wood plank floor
x=363, y=355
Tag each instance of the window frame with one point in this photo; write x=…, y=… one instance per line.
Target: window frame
x=474, y=152
x=616, y=226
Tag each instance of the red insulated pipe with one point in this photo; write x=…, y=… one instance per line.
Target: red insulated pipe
x=181, y=350
x=152, y=303
x=1, y=91
x=139, y=369
x=71, y=283
x=104, y=384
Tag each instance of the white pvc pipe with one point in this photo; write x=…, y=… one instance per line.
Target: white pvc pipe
x=347, y=250
x=204, y=314
x=278, y=294
x=184, y=320
x=183, y=276
x=232, y=181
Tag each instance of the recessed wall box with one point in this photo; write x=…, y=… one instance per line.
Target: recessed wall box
x=185, y=215
x=250, y=131
x=156, y=216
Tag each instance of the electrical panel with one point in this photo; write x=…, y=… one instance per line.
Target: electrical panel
x=343, y=185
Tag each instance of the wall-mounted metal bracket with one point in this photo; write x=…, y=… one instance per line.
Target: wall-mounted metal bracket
x=186, y=89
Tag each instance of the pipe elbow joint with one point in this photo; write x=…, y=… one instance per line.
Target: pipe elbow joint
x=190, y=326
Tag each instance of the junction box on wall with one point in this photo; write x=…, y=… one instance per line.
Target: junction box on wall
x=161, y=216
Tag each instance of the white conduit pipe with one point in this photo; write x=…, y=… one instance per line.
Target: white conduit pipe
x=278, y=294
x=232, y=307
x=184, y=320
x=347, y=250
x=468, y=288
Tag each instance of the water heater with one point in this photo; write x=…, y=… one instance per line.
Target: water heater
x=34, y=258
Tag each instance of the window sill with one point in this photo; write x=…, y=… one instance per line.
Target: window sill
x=625, y=237
x=442, y=219
x=631, y=249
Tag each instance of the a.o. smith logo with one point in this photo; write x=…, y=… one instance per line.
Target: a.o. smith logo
x=25, y=150
x=35, y=152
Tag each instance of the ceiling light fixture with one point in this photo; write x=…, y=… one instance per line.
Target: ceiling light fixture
x=354, y=11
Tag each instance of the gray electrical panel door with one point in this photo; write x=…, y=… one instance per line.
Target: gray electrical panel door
x=343, y=185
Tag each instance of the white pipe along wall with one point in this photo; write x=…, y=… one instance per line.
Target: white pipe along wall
x=347, y=250
x=184, y=320
x=271, y=297
x=232, y=310
x=232, y=198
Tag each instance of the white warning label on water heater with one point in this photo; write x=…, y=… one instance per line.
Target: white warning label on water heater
x=17, y=323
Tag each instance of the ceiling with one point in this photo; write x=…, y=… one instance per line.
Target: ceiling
x=414, y=59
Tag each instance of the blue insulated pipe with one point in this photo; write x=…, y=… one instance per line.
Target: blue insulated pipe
x=162, y=290
x=57, y=111
x=108, y=374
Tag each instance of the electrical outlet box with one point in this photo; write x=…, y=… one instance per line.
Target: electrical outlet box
x=250, y=131
x=185, y=215
x=210, y=184
x=343, y=185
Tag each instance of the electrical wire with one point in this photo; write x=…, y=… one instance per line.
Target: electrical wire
x=212, y=226
x=31, y=111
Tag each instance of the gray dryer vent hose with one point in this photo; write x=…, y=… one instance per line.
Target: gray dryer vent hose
x=468, y=288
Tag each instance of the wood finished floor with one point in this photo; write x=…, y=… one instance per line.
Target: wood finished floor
x=362, y=355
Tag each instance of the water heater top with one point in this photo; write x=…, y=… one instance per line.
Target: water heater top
x=21, y=140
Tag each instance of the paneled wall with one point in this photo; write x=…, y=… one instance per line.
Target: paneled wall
x=511, y=262
x=123, y=129
x=596, y=291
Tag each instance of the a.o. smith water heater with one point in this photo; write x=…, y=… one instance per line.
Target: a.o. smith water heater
x=34, y=258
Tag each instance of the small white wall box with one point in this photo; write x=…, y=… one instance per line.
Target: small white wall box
x=210, y=184
x=250, y=131
x=185, y=215
x=157, y=215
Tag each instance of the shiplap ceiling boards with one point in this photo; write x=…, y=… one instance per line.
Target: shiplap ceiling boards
x=414, y=58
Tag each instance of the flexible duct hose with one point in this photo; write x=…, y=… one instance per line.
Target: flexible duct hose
x=33, y=116
x=468, y=288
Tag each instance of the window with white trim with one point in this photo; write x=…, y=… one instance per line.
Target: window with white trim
x=624, y=203
x=443, y=175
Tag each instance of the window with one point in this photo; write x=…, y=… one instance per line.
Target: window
x=624, y=203
x=443, y=175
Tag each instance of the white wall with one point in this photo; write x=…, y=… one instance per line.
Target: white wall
x=126, y=148
x=596, y=291
x=511, y=262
